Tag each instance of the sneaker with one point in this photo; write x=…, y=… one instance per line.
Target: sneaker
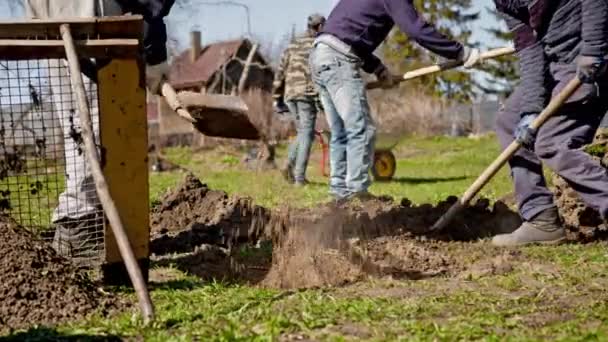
x=545, y=228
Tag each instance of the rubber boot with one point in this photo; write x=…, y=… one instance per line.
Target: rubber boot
x=544, y=228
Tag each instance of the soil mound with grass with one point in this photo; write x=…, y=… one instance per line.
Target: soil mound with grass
x=37, y=287
x=192, y=214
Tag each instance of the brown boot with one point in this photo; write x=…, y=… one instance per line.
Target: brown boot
x=544, y=228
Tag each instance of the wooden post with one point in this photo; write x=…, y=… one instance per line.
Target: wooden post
x=106, y=198
x=123, y=134
x=246, y=67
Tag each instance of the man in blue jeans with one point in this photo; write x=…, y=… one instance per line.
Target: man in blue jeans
x=346, y=44
x=293, y=84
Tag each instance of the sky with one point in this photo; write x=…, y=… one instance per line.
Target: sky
x=271, y=20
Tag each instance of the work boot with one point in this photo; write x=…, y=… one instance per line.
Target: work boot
x=80, y=240
x=545, y=228
x=287, y=173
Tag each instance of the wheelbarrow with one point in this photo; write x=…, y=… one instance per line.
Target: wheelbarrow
x=384, y=164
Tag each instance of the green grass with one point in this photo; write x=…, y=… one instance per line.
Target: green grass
x=553, y=293
x=433, y=169
x=34, y=196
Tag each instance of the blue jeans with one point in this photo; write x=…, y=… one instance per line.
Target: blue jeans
x=344, y=98
x=305, y=112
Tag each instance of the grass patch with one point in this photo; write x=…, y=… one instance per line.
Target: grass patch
x=553, y=292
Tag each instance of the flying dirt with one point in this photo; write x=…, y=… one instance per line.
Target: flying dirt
x=327, y=245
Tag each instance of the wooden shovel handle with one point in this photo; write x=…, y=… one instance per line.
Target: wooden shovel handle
x=432, y=69
x=504, y=157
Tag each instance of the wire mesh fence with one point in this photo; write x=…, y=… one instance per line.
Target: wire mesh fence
x=45, y=183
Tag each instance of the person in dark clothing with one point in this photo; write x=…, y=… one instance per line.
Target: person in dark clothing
x=354, y=29
x=555, y=42
x=78, y=219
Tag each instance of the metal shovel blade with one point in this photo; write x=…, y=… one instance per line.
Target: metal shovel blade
x=217, y=115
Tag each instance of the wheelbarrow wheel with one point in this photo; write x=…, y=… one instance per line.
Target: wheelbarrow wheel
x=384, y=166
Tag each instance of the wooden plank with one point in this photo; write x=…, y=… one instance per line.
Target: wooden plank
x=103, y=27
x=16, y=49
x=124, y=137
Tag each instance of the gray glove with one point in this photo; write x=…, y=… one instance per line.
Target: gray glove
x=590, y=68
x=384, y=76
x=524, y=133
x=280, y=107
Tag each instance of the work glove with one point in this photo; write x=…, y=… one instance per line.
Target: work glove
x=385, y=78
x=590, y=68
x=280, y=107
x=469, y=57
x=155, y=76
x=524, y=133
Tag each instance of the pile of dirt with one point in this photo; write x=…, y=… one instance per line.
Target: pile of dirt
x=193, y=214
x=582, y=222
x=37, y=287
x=336, y=245
x=197, y=230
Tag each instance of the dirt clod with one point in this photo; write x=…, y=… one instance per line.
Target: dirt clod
x=39, y=287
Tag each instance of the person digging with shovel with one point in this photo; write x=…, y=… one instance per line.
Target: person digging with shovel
x=344, y=48
x=293, y=88
x=78, y=219
x=555, y=41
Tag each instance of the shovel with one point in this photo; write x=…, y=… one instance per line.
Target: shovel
x=433, y=69
x=502, y=159
x=213, y=115
x=122, y=240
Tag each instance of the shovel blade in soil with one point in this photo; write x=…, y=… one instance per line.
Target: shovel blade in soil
x=217, y=115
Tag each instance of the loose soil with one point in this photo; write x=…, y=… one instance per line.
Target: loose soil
x=338, y=245
x=200, y=231
x=37, y=287
x=583, y=223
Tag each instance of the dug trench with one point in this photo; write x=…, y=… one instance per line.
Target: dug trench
x=216, y=236
x=213, y=235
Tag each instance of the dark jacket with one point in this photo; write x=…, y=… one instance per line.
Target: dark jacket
x=549, y=35
x=155, y=31
x=364, y=24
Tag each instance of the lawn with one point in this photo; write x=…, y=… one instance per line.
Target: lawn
x=551, y=293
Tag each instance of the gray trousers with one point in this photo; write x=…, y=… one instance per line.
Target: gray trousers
x=558, y=145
